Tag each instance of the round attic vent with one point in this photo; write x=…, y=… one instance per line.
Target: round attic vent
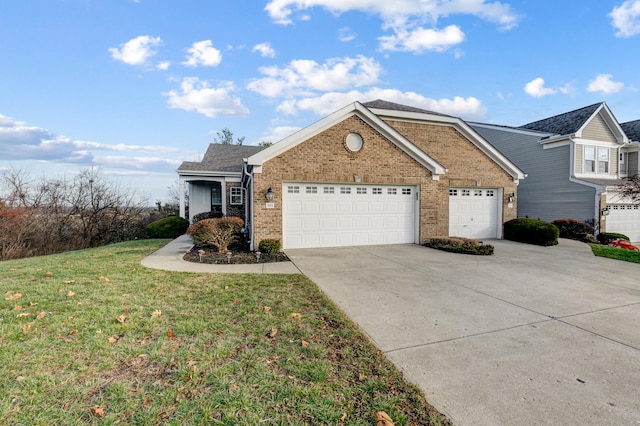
x=354, y=142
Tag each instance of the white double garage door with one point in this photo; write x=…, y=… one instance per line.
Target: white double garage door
x=624, y=219
x=334, y=215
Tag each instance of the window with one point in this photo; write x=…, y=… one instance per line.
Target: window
x=489, y=192
x=392, y=191
x=345, y=190
x=466, y=192
x=216, y=196
x=329, y=190
x=603, y=160
x=477, y=193
x=376, y=191
x=406, y=191
x=311, y=189
x=453, y=192
x=593, y=164
x=293, y=189
x=236, y=195
x=361, y=190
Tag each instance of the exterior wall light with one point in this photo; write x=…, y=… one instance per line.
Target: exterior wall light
x=511, y=197
x=269, y=194
x=605, y=211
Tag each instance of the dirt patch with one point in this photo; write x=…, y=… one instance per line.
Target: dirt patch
x=204, y=254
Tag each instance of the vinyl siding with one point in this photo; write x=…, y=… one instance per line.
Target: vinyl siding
x=546, y=193
x=632, y=165
x=579, y=166
x=598, y=130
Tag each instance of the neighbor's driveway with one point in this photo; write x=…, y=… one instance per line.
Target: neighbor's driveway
x=531, y=335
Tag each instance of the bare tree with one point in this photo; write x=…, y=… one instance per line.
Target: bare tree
x=630, y=188
x=225, y=137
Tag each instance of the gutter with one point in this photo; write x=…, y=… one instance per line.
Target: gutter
x=247, y=186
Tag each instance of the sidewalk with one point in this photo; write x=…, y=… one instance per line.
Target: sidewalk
x=169, y=258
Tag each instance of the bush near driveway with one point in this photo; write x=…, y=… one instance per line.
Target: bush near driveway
x=168, y=227
x=606, y=237
x=573, y=229
x=460, y=245
x=91, y=337
x=218, y=233
x=531, y=231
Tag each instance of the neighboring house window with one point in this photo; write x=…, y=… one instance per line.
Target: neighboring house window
x=236, y=195
x=596, y=160
x=329, y=190
x=311, y=189
x=293, y=189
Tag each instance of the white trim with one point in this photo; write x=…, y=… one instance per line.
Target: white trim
x=609, y=120
x=355, y=109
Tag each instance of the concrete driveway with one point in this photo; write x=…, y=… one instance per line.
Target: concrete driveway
x=530, y=336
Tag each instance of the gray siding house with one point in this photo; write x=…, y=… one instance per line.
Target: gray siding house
x=574, y=163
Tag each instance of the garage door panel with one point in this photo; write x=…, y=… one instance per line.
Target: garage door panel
x=350, y=215
x=473, y=212
x=624, y=219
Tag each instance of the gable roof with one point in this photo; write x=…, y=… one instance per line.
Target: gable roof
x=381, y=104
x=359, y=110
x=632, y=130
x=566, y=123
x=220, y=158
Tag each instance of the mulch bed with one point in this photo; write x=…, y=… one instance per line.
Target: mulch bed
x=239, y=255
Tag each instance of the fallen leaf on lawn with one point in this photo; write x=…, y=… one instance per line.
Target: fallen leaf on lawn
x=72, y=332
x=305, y=343
x=17, y=308
x=97, y=411
x=362, y=377
x=19, y=379
x=171, y=334
x=48, y=274
x=41, y=315
x=295, y=315
x=32, y=303
x=65, y=405
x=70, y=294
x=26, y=329
x=102, y=278
x=121, y=319
x=233, y=387
x=344, y=417
x=156, y=313
x=68, y=281
x=112, y=339
x=23, y=314
x=273, y=333
x=235, y=301
x=15, y=296
x=266, y=308
x=383, y=419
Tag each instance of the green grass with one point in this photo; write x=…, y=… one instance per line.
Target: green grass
x=92, y=337
x=615, y=253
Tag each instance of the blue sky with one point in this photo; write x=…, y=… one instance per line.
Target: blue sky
x=135, y=87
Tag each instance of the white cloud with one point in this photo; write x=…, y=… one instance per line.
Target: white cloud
x=603, y=83
x=301, y=77
x=536, y=88
x=395, y=12
x=421, y=39
x=136, y=51
x=626, y=18
x=157, y=164
x=197, y=95
x=265, y=50
x=468, y=108
x=163, y=65
x=203, y=53
x=19, y=141
x=275, y=134
x=346, y=35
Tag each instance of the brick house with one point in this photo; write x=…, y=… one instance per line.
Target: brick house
x=373, y=173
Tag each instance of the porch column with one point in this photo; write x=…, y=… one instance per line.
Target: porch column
x=181, y=195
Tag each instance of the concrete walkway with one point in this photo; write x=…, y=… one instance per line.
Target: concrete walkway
x=169, y=258
x=530, y=336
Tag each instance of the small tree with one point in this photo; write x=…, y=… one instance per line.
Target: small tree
x=225, y=137
x=218, y=233
x=630, y=188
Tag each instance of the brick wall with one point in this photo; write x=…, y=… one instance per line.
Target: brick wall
x=325, y=158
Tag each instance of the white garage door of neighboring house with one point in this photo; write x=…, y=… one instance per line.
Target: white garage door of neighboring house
x=332, y=215
x=624, y=219
x=474, y=213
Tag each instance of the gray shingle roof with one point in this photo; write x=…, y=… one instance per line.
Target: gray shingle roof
x=221, y=158
x=381, y=104
x=632, y=130
x=564, y=124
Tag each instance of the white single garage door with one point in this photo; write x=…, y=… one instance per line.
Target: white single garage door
x=333, y=215
x=624, y=219
x=474, y=213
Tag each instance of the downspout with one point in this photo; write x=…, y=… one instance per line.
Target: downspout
x=248, y=210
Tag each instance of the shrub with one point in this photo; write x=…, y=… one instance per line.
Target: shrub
x=606, y=237
x=460, y=245
x=573, y=229
x=531, y=231
x=590, y=239
x=269, y=246
x=168, y=227
x=207, y=215
x=218, y=233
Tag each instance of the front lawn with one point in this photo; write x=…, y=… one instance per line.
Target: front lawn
x=92, y=337
x=615, y=253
